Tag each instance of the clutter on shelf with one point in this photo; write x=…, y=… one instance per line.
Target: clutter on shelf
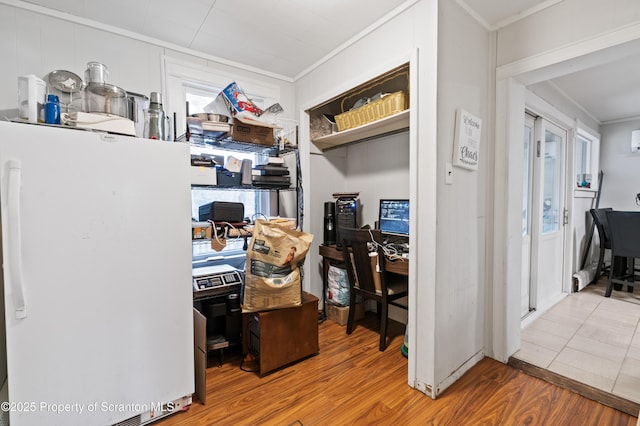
x=232, y=115
x=373, y=108
x=93, y=103
x=230, y=172
x=273, y=174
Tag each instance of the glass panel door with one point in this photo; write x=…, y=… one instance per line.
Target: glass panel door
x=547, y=214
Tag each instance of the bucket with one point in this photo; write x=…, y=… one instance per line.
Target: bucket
x=405, y=345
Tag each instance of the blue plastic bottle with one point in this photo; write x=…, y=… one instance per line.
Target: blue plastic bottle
x=52, y=110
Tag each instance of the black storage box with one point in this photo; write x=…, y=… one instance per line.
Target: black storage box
x=221, y=211
x=226, y=178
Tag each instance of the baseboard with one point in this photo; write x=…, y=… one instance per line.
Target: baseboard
x=458, y=373
x=595, y=394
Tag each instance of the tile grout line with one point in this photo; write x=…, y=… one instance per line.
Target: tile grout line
x=574, y=333
x=591, y=312
x=637, y=329
x=598, y=304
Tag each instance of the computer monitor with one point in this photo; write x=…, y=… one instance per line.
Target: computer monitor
x=393, y=217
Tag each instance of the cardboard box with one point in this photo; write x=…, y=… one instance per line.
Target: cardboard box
x=340, y=314
x=252, y=131
x=201, y=175
x=200, y=230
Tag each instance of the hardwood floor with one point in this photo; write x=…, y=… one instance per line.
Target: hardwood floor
x=351, y=383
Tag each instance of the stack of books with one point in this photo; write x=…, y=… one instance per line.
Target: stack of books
x=274, y=174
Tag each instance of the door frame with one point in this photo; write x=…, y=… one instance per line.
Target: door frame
x=504, y=268
x=511, y=79
x=526, y=290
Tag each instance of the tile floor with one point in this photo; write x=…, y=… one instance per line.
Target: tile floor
x=590, y=338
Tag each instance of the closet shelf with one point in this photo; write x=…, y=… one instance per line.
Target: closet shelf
x=391, y=124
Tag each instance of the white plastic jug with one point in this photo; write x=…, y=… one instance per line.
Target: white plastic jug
x=31, y=91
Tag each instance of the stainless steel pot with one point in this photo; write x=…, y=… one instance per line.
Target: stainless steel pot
x=96, y=73
x=219, y=118
x=136, y=104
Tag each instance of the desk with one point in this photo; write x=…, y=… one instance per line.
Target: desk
x=330, y=254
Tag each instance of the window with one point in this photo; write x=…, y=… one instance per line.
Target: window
x=552, y=189
x=198, y=86
x=255, y=202
x=184, y=80
x=586, y=159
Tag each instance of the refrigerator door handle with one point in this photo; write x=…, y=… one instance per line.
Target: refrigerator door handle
x=15, y=238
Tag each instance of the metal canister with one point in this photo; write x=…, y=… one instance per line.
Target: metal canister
x=154, y=118
x=96, y=73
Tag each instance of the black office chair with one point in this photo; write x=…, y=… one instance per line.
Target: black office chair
x=383, y=287
x=600, y=220
x=624, y=233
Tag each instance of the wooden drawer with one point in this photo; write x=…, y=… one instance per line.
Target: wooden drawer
x=281, y=336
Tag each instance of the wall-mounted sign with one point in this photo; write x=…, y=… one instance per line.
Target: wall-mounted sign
x=466, y=145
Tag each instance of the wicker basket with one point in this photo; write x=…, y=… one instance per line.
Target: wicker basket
x=380, y=108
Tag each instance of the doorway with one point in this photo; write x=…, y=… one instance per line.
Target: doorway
x=544, y=214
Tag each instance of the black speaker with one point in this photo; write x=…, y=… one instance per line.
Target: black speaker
x=221, y=211
x=329, y=222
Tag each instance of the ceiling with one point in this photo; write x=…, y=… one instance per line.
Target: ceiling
x=609, y=92
x=287, y=37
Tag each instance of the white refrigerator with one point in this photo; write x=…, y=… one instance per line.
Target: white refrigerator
x=96, y=256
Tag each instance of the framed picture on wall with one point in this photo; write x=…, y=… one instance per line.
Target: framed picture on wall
x=466, y=145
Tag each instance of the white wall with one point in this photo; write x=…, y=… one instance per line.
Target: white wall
x=35, y=43
x=378, y=169
x=463, y=79
x=547, y=91
x=31, y=43
x=620, y=166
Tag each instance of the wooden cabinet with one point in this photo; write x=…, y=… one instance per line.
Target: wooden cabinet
x=376, y=122
x=281, y=336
